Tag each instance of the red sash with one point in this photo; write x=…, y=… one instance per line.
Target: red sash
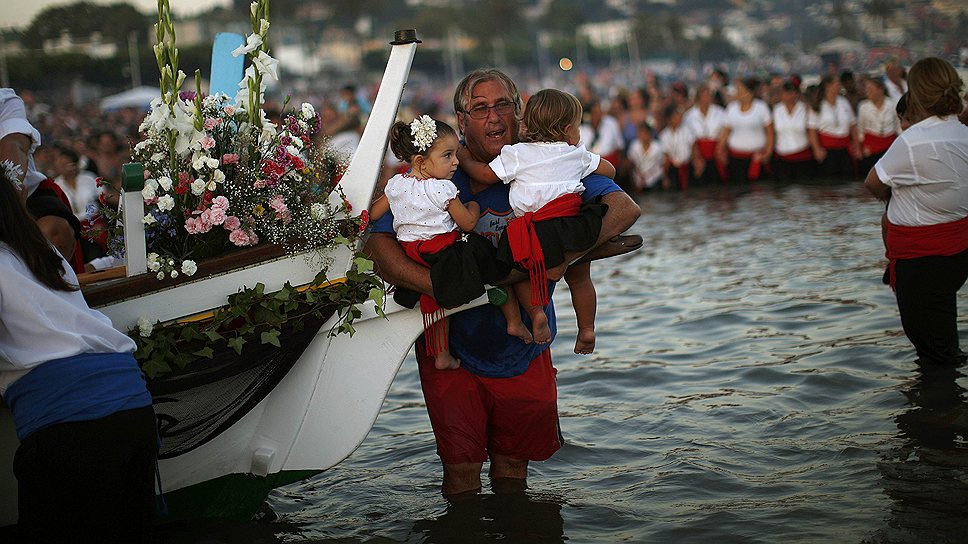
x=874, y=143
x=943, y=239
x=799, y=156
x=77, y=259
x=683, y=174
x=755, y=166
x=834, y=142
x=707, y=149
x=526, y=248
x=433, y=314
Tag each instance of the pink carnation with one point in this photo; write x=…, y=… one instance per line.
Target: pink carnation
x=220, y=202
x=253, y=239
x=279, y=204
x=212, y=122
x=216, y=215
x=239, y=237
x=208, y=142
x=231, y=222
x=191, y=225
x=230, y=158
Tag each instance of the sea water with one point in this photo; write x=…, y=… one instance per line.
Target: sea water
x=751, y=383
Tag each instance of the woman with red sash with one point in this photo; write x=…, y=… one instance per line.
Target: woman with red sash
x=924, y=179
x=793, y=157
x=705, y=121
x=877, y=124
x=832, y=128
x=746, y=139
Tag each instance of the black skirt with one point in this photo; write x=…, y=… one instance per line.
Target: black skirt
x=561, y=235
x=459, y=272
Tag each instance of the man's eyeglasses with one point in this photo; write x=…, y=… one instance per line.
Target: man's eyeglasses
x=481, y=111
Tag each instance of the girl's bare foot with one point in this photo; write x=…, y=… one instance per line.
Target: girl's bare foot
x=585, y=343
x=446, y=361
x=520, y=331
x=540, y=329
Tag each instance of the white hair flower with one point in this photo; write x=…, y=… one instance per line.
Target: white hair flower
x=424, y=132
x=14, y=173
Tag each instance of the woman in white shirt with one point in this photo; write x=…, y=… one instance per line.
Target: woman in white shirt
x=832, y=128
x=793, y=158
x=678, y=143
x=746, y=139
x=705, y=121
x=85, y=466
x=877, y=124
x=924, y=179
x=648, y=160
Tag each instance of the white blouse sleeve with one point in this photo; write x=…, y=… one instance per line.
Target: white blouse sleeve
x=896, y=167
x=505, y=164
x=441, y=192
x=589, y=161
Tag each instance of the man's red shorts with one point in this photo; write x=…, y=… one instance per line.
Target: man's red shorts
x=473, y=416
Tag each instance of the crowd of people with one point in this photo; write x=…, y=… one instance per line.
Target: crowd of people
x=723, y=130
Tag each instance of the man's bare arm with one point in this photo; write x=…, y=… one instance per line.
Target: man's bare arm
x=394, y=266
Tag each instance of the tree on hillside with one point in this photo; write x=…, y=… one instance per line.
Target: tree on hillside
x=114, y=22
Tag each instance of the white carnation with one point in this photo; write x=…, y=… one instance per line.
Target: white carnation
x=198, y=187
x=165, y=183
x=189, y=268
x=307, y=110
x=148, y=192
x=166, y=203
x=318, y=211
x=144, y=326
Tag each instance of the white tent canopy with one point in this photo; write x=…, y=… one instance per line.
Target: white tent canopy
x=841, y=45
x=139, y=97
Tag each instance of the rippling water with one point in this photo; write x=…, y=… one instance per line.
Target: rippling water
x=751, y=384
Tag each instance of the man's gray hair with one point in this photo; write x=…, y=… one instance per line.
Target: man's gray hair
x=462, y=94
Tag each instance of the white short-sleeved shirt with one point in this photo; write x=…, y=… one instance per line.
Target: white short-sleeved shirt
x=419, y=207
x=705, y=127
x=13, y=120
x=747, y=128
x=39, y=324
x=833, y=119
x=790, y=128
x=648, y=163
x=677, y=143
x=927, y=170
x=604, y=141
x=84, y=192
x=881, y=121
x=542, y=172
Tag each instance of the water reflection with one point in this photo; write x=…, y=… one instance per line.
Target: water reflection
x=926, y=476
x=521, y=517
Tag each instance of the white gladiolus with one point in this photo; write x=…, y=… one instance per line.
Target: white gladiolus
x=153, y=264
x=149, y=219
x=267, y=65
x=252, y=42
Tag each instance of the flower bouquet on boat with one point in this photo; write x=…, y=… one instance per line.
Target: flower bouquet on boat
x=240, y=246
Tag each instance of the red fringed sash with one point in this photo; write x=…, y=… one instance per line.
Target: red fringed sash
x=707, y=148
x=943, y=239
x=683, y=174
x=833, y=142
x=874, y=143
x=77, y=259
x=526, y=248
x=433, y=314
x=755, y=166
x=799, y=156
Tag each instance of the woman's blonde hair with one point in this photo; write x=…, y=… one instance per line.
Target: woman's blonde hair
x=934, y=88
x=548, y=114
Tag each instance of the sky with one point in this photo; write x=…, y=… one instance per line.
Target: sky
x=19, y=13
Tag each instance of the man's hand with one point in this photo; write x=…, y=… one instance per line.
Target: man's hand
x=394, y=266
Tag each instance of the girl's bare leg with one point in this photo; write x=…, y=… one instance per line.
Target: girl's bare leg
x=512, y=313
x=585, y=301
x=540, y=329
x=445, y=360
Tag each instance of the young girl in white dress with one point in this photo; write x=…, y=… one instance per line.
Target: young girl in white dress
x=546, y=169
x=437, y=230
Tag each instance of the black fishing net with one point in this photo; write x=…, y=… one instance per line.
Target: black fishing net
x=194, y=407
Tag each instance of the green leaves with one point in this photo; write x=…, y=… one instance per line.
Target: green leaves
x=252, y=315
